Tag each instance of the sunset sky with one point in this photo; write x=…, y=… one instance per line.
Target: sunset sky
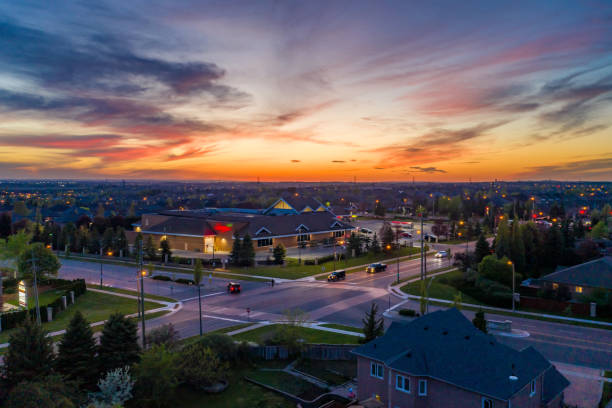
x=306, y=90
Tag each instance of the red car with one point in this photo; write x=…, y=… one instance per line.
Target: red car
x=233, y=287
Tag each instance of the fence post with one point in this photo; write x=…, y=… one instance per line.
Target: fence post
x=72, y=297
x=64, y=302
x=49, y=314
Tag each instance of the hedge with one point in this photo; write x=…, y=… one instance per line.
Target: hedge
x=11, y=320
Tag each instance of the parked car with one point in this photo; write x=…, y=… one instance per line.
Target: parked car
x=365, y=230
x=376, y=267
x=233, y=287
x=406, y=235
x=336, y=276
x=441, y=254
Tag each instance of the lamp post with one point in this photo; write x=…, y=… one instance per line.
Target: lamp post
x=101, y=282
x=334, y=253
x=142, y=273
x=513, y=284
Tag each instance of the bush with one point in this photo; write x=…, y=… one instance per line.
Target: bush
x=161, y=278
x=185, y=281
x=408, y=312
x=200, y=366
x=222, y=345
x=165, y=335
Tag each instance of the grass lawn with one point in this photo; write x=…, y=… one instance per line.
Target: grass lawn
x=288, y=383
x=239, y=394
x=44, y=298
x=224, y=330
x=342, y=327
x=439, y=290
x=606, y=395
x=331, y=371
x=94, y=306
x=295, y=271
x=132, y=292
x=309, y=335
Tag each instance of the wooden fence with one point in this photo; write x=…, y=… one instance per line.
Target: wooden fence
x=311, y=351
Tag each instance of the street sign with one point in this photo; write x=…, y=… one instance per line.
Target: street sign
x=23, y=294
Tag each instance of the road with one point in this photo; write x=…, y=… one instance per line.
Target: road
x=342, y=302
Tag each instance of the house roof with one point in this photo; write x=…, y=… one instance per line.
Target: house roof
x=554, y=384
x=288, y=224
x=298, y=203
x=596, y=273
x=182, y=226
x=446, y=346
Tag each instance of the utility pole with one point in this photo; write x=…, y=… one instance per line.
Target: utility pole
x=142, y=313
x=422, y=248
x=101, y=281
x=35, y=288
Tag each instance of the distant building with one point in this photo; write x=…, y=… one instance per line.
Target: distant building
x=441, y=360
x=290, y=222
x=580, y=280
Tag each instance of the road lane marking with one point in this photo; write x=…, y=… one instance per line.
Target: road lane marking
x=193, y=298
x=225, y=318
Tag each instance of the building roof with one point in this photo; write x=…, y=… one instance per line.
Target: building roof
x=282, y=225
x=596, y=273
x=446, y=346
x=182, y=226
x=554, y=384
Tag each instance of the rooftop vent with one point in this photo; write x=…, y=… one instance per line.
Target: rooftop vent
x=513, y=378
x=467, y=337
x=409, y=354
x=491, y=343
x=445, y=332
x=426, y=328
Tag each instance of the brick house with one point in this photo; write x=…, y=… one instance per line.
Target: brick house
x=580, y=280
x=289, y=222
x=441, y=360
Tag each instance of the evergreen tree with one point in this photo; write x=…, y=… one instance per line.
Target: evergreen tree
x=354, y=244
x=237, y=251
x=121, y=243
x=118, y=343
x=503, y=239
x=164, y=245
x=375, y=246
x=600, y=230
x=480, y=322
x=379, y=209
x=6, y=223
x=552, y=248
x=29, y=355
x=373, y=326
x=386, y=234
x=108, y=239
x=76, y=358
x=531, y=240
x=279, y=253
x=579, y=229
x=93, y=241
x=568, y=234
x=149, y=248
x=517, y=247
x=482, y=248
x=248, y=252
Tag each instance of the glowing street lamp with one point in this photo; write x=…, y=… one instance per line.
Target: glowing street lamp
x=513, y=283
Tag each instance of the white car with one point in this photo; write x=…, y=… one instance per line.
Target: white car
x=441, y=254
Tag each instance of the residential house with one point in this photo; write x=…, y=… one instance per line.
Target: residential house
x=581, y=280
x=441, y=360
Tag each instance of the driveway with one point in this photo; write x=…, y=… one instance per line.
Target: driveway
x=585, y=387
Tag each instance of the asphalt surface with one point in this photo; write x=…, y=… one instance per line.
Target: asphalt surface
x=343, y=302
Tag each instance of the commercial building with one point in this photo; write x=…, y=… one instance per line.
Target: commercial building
x=441, y=360
x=290, y=222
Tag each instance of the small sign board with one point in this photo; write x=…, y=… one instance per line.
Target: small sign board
x=23, y=294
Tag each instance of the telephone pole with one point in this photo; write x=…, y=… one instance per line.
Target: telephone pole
x=142, y=308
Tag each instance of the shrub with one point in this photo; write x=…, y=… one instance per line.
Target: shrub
x=200, y=366
x=222, y=345
x=161, y=278
x=164, y=335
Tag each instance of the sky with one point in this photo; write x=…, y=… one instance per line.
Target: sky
x=306, y=90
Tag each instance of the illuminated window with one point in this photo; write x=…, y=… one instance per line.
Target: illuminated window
x=555, y=286
x=578, y=289
x=338, y=234
x=282, y=205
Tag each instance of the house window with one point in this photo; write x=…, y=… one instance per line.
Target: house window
x=376, y=370
x=532, y=388
x=555, y=286
x=487, y=403
x=578, y=289
x=303, y=237
x=264, y=242
x=402, y=383
x=338, y=234
x=422, y=387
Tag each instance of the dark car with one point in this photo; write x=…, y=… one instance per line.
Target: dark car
x=376, y=267
x=233, y=287
x=336, y=276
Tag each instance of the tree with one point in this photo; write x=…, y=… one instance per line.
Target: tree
x=354, y=244
x=479, y=321
x=237, y=251
x=118, y=343
x=164, y=246
x=12, y=247
x=495, y=269
x=76, y=358
x=46, y=261
x=115, y=389
x=373, y=326
x=21, y=209
x=121, y=242
x=503, y=240
x=48, y=392
x=279, y=253
x=552, y=248
x=200, y=366
x=600, y=230
x=149, y=248
x=588, y=250
x=482, y=248
x=248, y=253
x=93, y=241
x=30, y=354
x=375, y=246
x=379, y=209
x=386, y=234
x=531, y=243
x=517, y=247
x=156, y=377
x=197, y=278
x=165, y=335
x=108, y=239
x=6, y=223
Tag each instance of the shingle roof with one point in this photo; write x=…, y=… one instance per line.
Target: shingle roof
x=446, y=346
x=596, y=273
x=288, y=224
x=183, y=226
x=554, y=384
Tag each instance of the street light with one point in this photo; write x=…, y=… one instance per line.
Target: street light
x=513, y=283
